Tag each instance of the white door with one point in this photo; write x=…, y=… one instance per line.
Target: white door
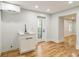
x=41, y=28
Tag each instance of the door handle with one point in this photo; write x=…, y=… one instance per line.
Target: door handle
x=43, y=30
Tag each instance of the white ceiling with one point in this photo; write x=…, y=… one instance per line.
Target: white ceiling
x=54, y=6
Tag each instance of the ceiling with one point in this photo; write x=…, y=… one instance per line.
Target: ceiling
x=54, y=6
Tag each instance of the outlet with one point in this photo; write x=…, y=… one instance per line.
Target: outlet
x=11, y=46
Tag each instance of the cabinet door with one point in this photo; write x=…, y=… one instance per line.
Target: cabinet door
x=32, y=43
x=24, y=45
x=27, y=44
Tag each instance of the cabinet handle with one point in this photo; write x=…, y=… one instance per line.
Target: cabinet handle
x=29, y=38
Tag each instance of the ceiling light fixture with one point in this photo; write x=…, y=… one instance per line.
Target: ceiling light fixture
x=48, y=10
x=70, y=2
x=36, y=6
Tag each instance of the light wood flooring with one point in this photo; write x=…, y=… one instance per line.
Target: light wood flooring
x=71, y=41
x=50, y=49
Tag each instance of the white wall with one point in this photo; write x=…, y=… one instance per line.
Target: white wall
x=61, y=30
x=13, y=23
x=74, y=27
x=66, y=28
x=54, y=35
x=53, y=28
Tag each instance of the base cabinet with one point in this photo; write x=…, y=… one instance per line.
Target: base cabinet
x=27, y=42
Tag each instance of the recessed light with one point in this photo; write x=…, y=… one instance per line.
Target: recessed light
x=70, y=2
x=36, y=6
x=48, y=10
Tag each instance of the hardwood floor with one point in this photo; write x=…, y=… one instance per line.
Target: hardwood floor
x=55, y=50
x=50, y=49
x=12, y=53
x=71, y=41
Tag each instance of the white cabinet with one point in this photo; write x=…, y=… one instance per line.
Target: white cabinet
x=27, y=42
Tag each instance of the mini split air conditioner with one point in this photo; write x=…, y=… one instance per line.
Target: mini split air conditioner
x=9, y=7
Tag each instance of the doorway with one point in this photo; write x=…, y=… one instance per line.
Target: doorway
x=69, y=29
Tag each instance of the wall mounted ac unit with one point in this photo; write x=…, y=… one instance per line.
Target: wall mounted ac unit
x=9, y=7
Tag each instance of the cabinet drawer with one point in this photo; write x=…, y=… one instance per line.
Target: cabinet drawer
x=26, y=37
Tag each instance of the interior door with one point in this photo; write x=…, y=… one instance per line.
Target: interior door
x=41, y=28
